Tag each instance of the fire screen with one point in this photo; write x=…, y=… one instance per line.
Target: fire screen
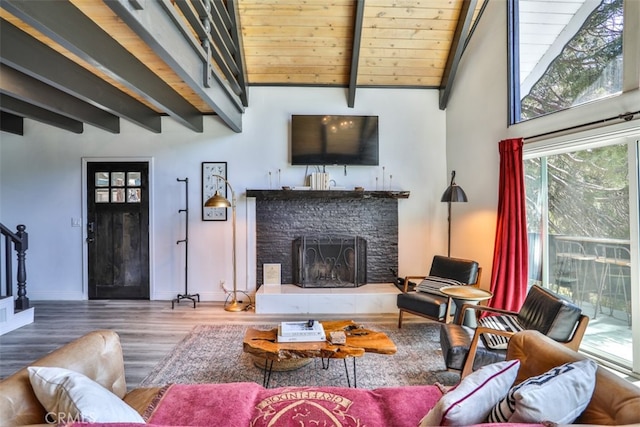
x=329, y=262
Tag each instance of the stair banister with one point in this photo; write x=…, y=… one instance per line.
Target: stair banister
x=20, y=241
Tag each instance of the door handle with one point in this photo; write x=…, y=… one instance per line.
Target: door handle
x=90, y=232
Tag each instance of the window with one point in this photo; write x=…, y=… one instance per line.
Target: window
x=565, y=54
x=118, y=187
x=581, y=221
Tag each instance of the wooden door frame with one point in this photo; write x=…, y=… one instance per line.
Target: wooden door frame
x=85, y=247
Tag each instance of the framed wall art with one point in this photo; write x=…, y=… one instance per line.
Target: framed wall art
x=211, y=183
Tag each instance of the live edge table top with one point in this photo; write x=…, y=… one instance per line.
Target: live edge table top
x=359, y=341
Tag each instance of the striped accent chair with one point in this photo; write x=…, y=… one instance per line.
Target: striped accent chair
x=427, y=300
x=467, y=349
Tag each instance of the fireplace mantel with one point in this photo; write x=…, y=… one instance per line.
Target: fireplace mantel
x=330, y=194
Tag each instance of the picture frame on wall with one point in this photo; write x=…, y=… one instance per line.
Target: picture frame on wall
x=211, y=183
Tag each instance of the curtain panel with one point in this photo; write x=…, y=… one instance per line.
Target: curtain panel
x=509, y=275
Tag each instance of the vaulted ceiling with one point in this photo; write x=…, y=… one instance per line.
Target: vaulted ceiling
x=69, y=63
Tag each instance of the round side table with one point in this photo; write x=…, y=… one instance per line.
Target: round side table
x=465, y=295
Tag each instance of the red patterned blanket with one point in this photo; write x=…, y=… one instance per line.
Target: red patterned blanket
x=249, y=404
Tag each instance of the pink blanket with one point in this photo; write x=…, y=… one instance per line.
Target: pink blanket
x=249, y=404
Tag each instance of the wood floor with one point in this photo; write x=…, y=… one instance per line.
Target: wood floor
x=148, y=329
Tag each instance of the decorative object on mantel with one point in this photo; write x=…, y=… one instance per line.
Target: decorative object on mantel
x=325, y=194
x=218, y=201
x=453, y=193
x=186, y=295
x=211, y=185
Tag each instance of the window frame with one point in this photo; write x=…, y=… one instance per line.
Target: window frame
x=595, y=112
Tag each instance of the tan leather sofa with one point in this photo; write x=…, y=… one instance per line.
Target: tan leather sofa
x=99, y=356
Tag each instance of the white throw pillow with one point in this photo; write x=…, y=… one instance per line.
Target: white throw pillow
x=559, y=395
x=71, y=396
x=471, y=400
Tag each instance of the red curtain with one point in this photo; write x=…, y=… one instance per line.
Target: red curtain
x=510, y=257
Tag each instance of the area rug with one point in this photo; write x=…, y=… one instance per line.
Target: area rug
x=213, y=354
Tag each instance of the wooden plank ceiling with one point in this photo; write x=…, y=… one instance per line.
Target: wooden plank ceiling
x=343, y=43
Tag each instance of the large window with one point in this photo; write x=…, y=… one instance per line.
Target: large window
x=574, y=74
x=580, y=219
x=564, y=54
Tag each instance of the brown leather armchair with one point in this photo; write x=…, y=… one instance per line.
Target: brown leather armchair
x=466, y=349
x=433, y=304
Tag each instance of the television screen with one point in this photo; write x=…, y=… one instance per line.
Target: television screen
x=334, y=140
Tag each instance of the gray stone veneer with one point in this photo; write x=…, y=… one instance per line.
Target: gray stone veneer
x=280, y=222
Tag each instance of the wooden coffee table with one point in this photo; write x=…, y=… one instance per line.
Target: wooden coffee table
x=359, y=341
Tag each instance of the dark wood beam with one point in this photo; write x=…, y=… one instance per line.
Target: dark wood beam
x=455, y=52
x=355, y=53
x=33, y=91
x=161, y=27
x=33, y=112
x=34, y=58
x=11, y=123
x=68, y=26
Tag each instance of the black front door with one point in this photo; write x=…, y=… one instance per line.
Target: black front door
x=118, y=230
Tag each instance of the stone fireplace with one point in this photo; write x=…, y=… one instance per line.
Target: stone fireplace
x=369, y=217
x=329, y=262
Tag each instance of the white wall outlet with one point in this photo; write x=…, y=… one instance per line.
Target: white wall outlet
x=76, y=222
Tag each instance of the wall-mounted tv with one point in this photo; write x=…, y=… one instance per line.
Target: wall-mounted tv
x=334, y=140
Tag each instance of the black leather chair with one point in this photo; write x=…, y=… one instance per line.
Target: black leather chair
x=467, y=349
x=434, y=304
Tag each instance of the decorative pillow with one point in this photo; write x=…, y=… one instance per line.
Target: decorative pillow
x=71, y=396
x=434, y=283
x=559, y=395
x=471, y=400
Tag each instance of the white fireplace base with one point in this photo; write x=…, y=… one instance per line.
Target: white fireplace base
x=291, y=299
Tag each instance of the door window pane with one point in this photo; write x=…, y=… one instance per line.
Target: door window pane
x=133, y=179
x=117, y=195
x=102, y=196
x=102, y=179
x=117, y=179
x=133, y=195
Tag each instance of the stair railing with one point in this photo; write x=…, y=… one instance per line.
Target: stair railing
x=20, y=242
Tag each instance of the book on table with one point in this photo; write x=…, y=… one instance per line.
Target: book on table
x=301, y=331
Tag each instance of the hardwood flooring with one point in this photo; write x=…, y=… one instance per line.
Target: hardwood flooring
x=148, y=329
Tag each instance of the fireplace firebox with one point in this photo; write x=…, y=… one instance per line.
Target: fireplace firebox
x=329, y=262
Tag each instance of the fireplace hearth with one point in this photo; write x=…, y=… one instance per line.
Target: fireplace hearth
x=329, y=261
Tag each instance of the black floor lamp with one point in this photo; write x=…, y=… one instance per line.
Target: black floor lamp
x=453, y=193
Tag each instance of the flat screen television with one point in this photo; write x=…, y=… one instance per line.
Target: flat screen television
x=334, y=140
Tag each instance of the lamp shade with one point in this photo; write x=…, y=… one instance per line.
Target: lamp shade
x=454, y=193
x=217, y=201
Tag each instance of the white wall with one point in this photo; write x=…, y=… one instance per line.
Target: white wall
x=476, y=122
x=41, y=185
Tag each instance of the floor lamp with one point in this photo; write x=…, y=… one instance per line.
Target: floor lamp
x=453, y=193
x=218, y=201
